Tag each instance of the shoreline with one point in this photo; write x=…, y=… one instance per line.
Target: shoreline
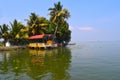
x=12, y=48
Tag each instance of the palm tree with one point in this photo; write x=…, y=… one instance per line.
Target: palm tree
x=58, y=16
x=37, y=24
x=4, y=32
x=15, y=31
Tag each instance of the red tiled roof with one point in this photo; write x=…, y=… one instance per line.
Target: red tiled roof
x=36, y=36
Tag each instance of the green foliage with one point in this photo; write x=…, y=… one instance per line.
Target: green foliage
x=58, y=16
x=37, y=24
x=57, y=25
x=4, y=32
x=15, y=29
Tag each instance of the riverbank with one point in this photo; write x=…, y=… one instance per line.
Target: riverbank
x=12, y=48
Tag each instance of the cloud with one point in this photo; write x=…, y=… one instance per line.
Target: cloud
x=86, y=28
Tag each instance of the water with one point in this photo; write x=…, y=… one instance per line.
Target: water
x=84, y=61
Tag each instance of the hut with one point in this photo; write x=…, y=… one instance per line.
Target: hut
x=41, y=41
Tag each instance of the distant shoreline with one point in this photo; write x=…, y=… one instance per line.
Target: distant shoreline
x=71, y=43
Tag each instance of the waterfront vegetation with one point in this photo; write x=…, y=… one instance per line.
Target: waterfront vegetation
x=17, y=33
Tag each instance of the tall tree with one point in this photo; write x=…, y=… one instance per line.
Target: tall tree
x=15, y=30
x=59, y=17
x=37, y=24
x=4, y=32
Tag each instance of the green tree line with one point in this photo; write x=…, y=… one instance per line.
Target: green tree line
x=57, y=25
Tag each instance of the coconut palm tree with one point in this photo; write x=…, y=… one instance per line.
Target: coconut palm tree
x=15, y=31
x=58, y=15
x=4, y=32
x=36, y=24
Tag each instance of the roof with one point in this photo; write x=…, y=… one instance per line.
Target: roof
x=36, y=36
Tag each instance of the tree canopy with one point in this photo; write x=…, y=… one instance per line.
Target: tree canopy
x=56, y=25
x=59, y=16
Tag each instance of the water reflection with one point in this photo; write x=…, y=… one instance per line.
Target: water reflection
x=3, y=62
x=35, y=64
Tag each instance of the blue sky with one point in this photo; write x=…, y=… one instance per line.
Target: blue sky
x=91, y=20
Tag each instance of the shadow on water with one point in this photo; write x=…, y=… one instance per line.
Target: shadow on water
x=35, y=64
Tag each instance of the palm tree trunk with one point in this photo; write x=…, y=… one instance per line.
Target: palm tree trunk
x=55, y=33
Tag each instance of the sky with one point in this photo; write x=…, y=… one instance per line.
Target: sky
x=91, y=20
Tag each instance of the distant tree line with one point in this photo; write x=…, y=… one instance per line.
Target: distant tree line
x=18, y=33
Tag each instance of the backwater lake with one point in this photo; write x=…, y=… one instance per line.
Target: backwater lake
x=95, y=60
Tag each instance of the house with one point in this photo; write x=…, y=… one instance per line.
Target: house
x=41, y=41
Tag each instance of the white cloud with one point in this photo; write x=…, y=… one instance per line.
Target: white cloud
x=86, y=28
